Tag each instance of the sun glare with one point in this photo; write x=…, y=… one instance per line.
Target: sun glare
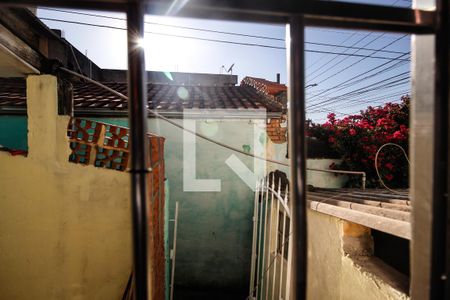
x=141, y=43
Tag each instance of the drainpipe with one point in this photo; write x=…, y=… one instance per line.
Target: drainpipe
x=139, y=145
x=297, y=121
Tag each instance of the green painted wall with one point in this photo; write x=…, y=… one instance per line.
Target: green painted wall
x=13, y=132
x=214, y=228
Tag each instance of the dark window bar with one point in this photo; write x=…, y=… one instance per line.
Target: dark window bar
x=317, y=13
x=297, y=121
x=137, y=91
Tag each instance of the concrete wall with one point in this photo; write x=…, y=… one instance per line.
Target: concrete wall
x=334, y=274
x=215, y=228
x=323, y=179
x=64, y=228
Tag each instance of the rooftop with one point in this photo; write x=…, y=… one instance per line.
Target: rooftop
x=162, y=97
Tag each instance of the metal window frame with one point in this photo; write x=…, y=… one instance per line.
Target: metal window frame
x=296, y=13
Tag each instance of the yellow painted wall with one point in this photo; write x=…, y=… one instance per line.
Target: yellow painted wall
x=64, y=227
x=334, y=275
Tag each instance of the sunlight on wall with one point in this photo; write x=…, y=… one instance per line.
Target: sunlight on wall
x=64, y=228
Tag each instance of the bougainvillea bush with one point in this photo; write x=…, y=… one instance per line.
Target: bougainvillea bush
x=357, y=138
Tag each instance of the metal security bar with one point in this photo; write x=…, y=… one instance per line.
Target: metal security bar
x=271, y=251
x=137, y=91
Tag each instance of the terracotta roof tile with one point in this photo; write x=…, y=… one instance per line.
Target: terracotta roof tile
x=163, y=97
x=265, y=86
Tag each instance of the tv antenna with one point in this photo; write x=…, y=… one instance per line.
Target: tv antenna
x=229, y=71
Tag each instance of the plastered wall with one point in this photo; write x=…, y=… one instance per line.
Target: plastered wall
x=64, y=228
x=215, y=227
x=332, y=274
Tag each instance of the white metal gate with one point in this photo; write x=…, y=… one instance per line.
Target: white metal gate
x=271, y=249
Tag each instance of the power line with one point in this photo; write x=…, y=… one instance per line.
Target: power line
x=211, y=40
x=352, y=94
x=358, y=90
x=319, y=58
x=336, y=57
x=350, y=98
x=365, y=101
x=364, y=90
x=217, y=31
x=352, y=81
x=387, y=92
x=166, y=25
x=357, y=48
x=355, y=63
x=360, y=40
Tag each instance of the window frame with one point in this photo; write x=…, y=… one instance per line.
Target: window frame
x=429, y=258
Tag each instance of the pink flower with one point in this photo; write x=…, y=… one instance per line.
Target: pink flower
x=331, y=139
x=397, y=135
x=389, y=177
x=352, y=131
x=389, y=166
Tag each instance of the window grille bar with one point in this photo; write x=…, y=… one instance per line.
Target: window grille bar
x=139, y=146
x=440, y=260
x=297, y=121
x=316, y=13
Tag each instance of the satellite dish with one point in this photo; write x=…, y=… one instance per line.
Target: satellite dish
x=230, y=70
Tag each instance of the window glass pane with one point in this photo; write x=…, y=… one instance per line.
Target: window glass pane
x=358, y=96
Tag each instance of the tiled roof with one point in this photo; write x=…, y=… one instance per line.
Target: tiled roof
x=172, y=98
x=264, y=86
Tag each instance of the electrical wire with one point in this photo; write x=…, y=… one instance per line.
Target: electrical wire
x=354, y=98
x=214, y=40
x=352, y=81
x=357, y=62
x=319, y=58
x=218, y=31
x=360, y=40
x=159, y=116
x=337, y=57
x=358, y=91
x=166, y=25
x=376, y=167
x=365, y=101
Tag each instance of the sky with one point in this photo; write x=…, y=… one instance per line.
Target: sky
x=342, y=84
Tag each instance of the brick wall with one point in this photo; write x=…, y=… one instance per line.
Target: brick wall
x=276, y=129
x=106, y=146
